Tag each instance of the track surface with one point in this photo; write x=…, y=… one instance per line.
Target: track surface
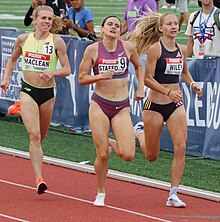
x=71, y=193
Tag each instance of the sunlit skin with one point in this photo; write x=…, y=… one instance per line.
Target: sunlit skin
x=111, y=28
x=163, y=94
x=114, y=90
x=170, y=27
x=44, y=21
x=37, y=117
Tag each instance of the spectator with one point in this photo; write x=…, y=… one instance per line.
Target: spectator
x=109, y=105
x=165, y=100
x=37, y=91
x=134, y=10
x=80, y=20
x=35, y=3
x=169, y=4
x=203, y=34
x=184, y=14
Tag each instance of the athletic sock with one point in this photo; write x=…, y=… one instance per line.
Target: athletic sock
x=173, y=190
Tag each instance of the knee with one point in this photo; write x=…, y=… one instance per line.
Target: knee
x=103, y=156
x=180, y=149
x=151, y=158
x=127, y=156
x=151, y=155
x=35, y=136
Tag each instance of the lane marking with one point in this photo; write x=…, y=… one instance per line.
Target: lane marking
x=186, y=190
x=87, y=201
x=13, y=218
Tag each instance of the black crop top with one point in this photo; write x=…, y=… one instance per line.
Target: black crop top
x=169, y=66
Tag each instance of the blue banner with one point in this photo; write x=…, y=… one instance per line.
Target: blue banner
x=72, y=99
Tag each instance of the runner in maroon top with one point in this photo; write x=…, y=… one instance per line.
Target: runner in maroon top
x=110, y=102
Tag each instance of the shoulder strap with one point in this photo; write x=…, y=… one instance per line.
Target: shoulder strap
x=194, y=17
x=74, y=16
x=216, y=18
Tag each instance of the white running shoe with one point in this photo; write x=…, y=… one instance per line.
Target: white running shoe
x=172, y=7
x=100, y=200
x=174, y=201
x=164, y=7
x=138, y=128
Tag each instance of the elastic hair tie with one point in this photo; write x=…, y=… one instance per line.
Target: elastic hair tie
x=169, y=92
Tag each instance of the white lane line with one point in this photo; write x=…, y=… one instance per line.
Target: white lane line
x=13, y=218
x=87, y=201
x=190, y=191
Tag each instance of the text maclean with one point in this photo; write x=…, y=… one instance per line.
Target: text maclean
x=36, y=62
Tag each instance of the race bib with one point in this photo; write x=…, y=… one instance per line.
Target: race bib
x=118, y=65
x=174, y=66
x=36, y=61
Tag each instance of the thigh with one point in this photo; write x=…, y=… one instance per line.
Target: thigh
x=99, y=124
x=29, y=113
x=46, y=111
x=177, y=126
x=123, y=131
x=153, y=125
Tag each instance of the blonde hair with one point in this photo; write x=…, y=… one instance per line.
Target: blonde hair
x=147, y=31
x=57, y=24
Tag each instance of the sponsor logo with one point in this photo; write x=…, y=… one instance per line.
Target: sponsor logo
x=178, y=55
x=27, y=89
x=120, y=54
x=118, y=107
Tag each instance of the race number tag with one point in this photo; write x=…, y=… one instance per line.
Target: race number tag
x=36, y=61
x=174, y=66
x=118, y=65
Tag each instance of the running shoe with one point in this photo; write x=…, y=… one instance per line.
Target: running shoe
x=173, y=7
x=100, y=200
x=164, y=7
x=174, y=201
x=138, y=128
x=14, y=109
x=41, y=186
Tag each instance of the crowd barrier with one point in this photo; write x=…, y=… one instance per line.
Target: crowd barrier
x=72, y=99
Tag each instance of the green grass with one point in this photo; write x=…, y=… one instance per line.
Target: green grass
x=62, y=143
x=100, y=8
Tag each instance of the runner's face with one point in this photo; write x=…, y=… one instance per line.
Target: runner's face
x=170, y=26
x=44, y=20
x=112, y=27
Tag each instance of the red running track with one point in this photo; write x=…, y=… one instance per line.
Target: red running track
x=71, y=193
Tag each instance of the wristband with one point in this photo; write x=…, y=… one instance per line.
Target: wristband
x=75, y=27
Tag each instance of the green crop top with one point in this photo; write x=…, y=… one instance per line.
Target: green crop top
x=39, y=55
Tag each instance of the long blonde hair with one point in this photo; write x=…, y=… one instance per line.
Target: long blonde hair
x=147, y=31
x=57, y=24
